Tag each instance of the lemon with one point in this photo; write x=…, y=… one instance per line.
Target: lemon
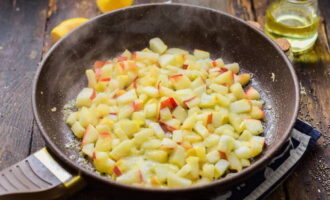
x=65, y=27
x=109, y=5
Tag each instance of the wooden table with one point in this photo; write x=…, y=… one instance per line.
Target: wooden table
x=24, y=38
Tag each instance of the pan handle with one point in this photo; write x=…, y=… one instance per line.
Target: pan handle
x=38, y=177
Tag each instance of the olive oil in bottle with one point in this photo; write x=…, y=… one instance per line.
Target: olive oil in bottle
x=295, y=20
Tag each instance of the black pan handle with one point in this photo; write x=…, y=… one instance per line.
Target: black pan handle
x=38, y=177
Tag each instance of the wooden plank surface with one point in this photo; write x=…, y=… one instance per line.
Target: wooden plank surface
x=21, y=39
x=29, y=41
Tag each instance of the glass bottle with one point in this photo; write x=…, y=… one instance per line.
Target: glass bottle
x=295, y=20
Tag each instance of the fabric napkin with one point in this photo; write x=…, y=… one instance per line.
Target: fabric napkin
x=258, y=186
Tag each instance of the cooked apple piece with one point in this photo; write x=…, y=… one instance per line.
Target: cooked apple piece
x=165, y=114
x=78, y=130
x=174, y=180
x=256, y=145
x=72, y=118
x=177, y=136
x=237, y=90
x=178, y=156
x=208, y=171
x=150, y=110
x=194, y=165
x=240, y=106
x=245, y=136
x=157, y=45
x=243, y=79
x=253, y=125
x=102, y=162
x=180, y=81
x=243, y=152
x=121, y=150
x=219, y=88
x=127, y=97
x=88, y=149
x=226, y=144
x=252, y=94
x=213, y=156
x=180, y=113
x=222, y=100
x=189, y=122
x=159, y=132
x=130, y=177
x=90, y=136
x=207, y=101
x=199, y=54
x=103, y=142
x=234, y=67
x=168, y=144
x=234, y=162
x=142, y=136
x=85, y=97
x=201, y=129
x=257, y=113
x=157, y=155
x=211, y=140
x=220, y=168
x=226, y=78
x=87, y=116
x=125, y=112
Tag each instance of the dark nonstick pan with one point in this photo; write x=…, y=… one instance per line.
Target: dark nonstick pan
x=61, y=76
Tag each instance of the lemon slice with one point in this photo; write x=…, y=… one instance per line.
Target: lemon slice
x=65, y=27
x=109, y=5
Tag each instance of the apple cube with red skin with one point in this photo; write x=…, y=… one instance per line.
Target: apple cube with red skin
x=85, y=97
x=168, y=103
x=234, y=67
x=103, y=142
x=257, y=113
x=226, y=78
x=180, y=81
x=252, y=94
x=191, y=102
x=90, y=136
x=102, y=162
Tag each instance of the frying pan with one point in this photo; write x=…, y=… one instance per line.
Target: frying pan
x=54, y=171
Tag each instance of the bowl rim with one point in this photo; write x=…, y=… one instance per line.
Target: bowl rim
x=229, y=180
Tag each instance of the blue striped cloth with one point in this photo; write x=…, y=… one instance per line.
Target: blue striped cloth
x=261, y=184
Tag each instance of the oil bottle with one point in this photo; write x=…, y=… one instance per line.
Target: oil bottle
x=295, y=20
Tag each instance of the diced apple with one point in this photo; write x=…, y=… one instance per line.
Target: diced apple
x=179, y=113
x=201, y=129
x=222, y=100
x=234, y=67
x=241, y=106
x=142, y=136
x=253, y=125
x=243, y=79
x=234, y=162
x=85, y=97
x=207, y=101
x=235, y=120
x=121, y=150
x=150, y=110
x=256, y=145
x=130, y=177
x=167, y=59
x=88, y=149
x=252, y=94
x=258, y=103
x=213, y=156
x=91, y=78
x=90, y=136
x=146, y=57
x=150, y=91
x=72, y=118
x=257, y=113
x=177, y=136
x=243, y=152
x=211, y=140
x=191, y=102
x=125, y=112
x=157, y=155
x=226, y=78
x=127, y=97
x=189, y=122
x=129, y=127
x=245, y=136
x=157, y=45
x=168, y=103
x=102, y=162
x=208, y=171
x=199, y=54
x=245, y=162
x=174, y=180
x=78, y=130
x=219, y=88
x=178, y=156
x=103, y=142
x=226, y=144
x=194, y=165
x=219, y=119
x=180, y=81
x=184, y=171
x=237, y=90
x=168, y=144
x=159, y=132
x=87, y=116
x=165, y=114
x=220, y=168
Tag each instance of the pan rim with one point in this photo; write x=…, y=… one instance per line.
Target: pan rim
x=229, y=180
